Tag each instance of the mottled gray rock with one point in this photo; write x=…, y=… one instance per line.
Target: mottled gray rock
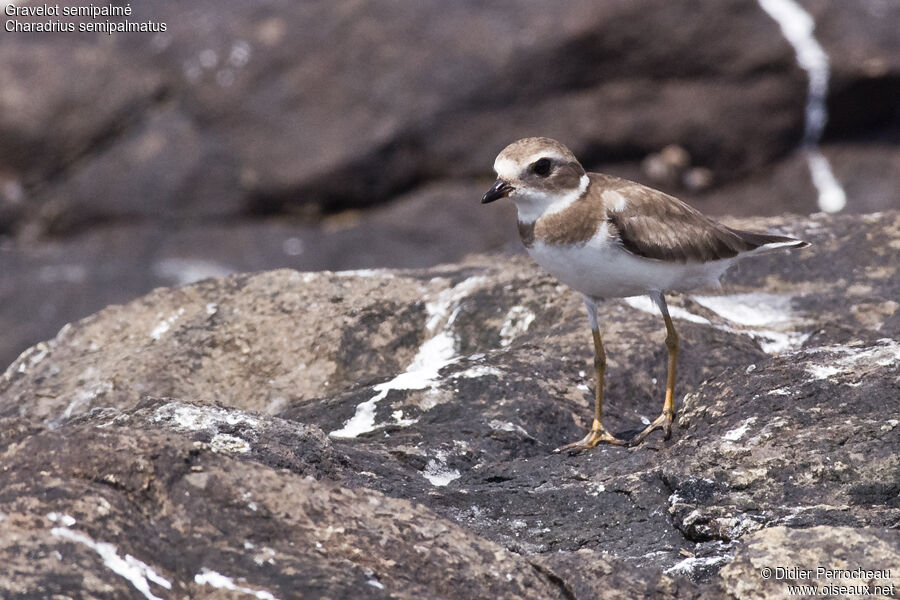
x=228, y=142
x=47, y=284
x=442, y=392
x=237, y=108
x=822, y=559
x=254, y=106
x=126, y=508
x=63, y=98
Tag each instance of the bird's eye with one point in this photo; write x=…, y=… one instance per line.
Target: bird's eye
x=541, y=167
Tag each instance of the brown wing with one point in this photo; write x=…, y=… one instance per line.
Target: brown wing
x=656, y=225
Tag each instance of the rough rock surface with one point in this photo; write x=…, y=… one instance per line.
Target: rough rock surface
x=389, y=433
x=847, y=549
x=133, y=161
x=50, y=283
x=259, y=107
x=238, y=109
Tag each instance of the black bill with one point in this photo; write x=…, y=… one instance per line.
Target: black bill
x=500, y=189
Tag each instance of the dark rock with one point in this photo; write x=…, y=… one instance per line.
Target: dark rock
x=253, y=107
x=65, y=97
x=587, y=574
x=862, y=46
x=245, y=138
x=130, y=508
x=417, y=410
x=159, y=171
x=203, y=120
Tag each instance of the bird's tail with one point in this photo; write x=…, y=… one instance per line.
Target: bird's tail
x=760, y=243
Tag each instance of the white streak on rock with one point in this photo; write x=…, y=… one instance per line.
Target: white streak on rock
x=479, y=371
x=401, y=421
x=423, y=372
x=362, y=421
x=165, y=324
x=224, y=443
x=798, y=27
x=81, y=398
x=364, y=273
x=752, y=310
x=832, y=197
x=64, y=519
x=132, y=569
x=886, y=353
x=515, y=323
x=187, y=417
x=29, y=358
x=510, y=427
x=691, y=564
x=822, y=371
x=219, y=581
x=437, y=471
x=768, y=318
x=644, y=303
x=595, y=488
x=738, y=432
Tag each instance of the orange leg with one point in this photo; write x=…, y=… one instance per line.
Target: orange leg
x=598, y=432
x=665, y=419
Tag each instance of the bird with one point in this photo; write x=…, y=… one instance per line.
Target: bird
x=608, y=237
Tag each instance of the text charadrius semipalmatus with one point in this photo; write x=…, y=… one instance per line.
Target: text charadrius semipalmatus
x=611, y=238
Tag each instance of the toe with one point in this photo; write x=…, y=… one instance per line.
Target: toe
x=589, y=441
x=574, y=447
x=663, y=421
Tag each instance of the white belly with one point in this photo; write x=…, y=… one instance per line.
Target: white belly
x=601, y=269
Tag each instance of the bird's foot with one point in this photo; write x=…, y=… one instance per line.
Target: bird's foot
x=596, y=435
x=663, y=421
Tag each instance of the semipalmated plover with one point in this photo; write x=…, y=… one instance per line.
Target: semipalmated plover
x=608, y=237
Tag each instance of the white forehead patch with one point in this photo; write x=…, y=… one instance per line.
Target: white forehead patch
x=509, y=169
x=615, y=201
x=506, y=169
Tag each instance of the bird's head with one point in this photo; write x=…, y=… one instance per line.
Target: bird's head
x=537, y=174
